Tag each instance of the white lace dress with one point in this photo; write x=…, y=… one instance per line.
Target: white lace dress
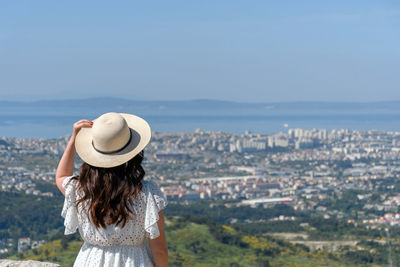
x=115, y=246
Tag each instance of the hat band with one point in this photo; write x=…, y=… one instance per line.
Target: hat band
x=115, y=151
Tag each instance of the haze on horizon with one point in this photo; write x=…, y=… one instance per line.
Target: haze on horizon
x=258, y=51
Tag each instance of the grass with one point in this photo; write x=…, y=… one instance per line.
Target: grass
x=192, y=244
x=195, y=246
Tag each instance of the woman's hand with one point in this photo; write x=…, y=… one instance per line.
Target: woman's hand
x=79, y=124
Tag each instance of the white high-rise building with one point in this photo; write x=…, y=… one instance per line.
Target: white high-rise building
x=298, y=133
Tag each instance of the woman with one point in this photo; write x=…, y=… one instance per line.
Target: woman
x=113, y=208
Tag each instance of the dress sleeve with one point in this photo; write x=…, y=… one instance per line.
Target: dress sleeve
x=155, y=201
x=69, y=211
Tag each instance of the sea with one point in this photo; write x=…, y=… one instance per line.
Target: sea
x=41, y=120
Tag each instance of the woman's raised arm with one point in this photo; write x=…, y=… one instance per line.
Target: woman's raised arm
x=65, y=167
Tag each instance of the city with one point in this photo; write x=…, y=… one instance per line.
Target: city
x=301, y=168
x=326, y=190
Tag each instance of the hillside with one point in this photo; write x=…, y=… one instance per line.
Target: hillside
x=195, y=241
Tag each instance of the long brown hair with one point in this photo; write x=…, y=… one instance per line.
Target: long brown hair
x=107, y=192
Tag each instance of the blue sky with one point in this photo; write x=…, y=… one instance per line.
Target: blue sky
x=253, y=51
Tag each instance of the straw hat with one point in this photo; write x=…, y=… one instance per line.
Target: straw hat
x=113, y=139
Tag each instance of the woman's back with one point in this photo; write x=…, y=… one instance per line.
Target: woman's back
x=115, y=245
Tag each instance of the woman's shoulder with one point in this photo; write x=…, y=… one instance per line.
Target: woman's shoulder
x=154, y=194
x=70, y=181
x=150, y=186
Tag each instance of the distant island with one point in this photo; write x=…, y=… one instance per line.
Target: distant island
x=53, y=118
x=112, y=102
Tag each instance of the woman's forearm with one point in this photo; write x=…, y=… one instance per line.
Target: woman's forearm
x=66, y=164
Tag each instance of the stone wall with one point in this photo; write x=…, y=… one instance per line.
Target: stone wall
x=11, y=263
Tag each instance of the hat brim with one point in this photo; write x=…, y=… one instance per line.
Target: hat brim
x=140, y=137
